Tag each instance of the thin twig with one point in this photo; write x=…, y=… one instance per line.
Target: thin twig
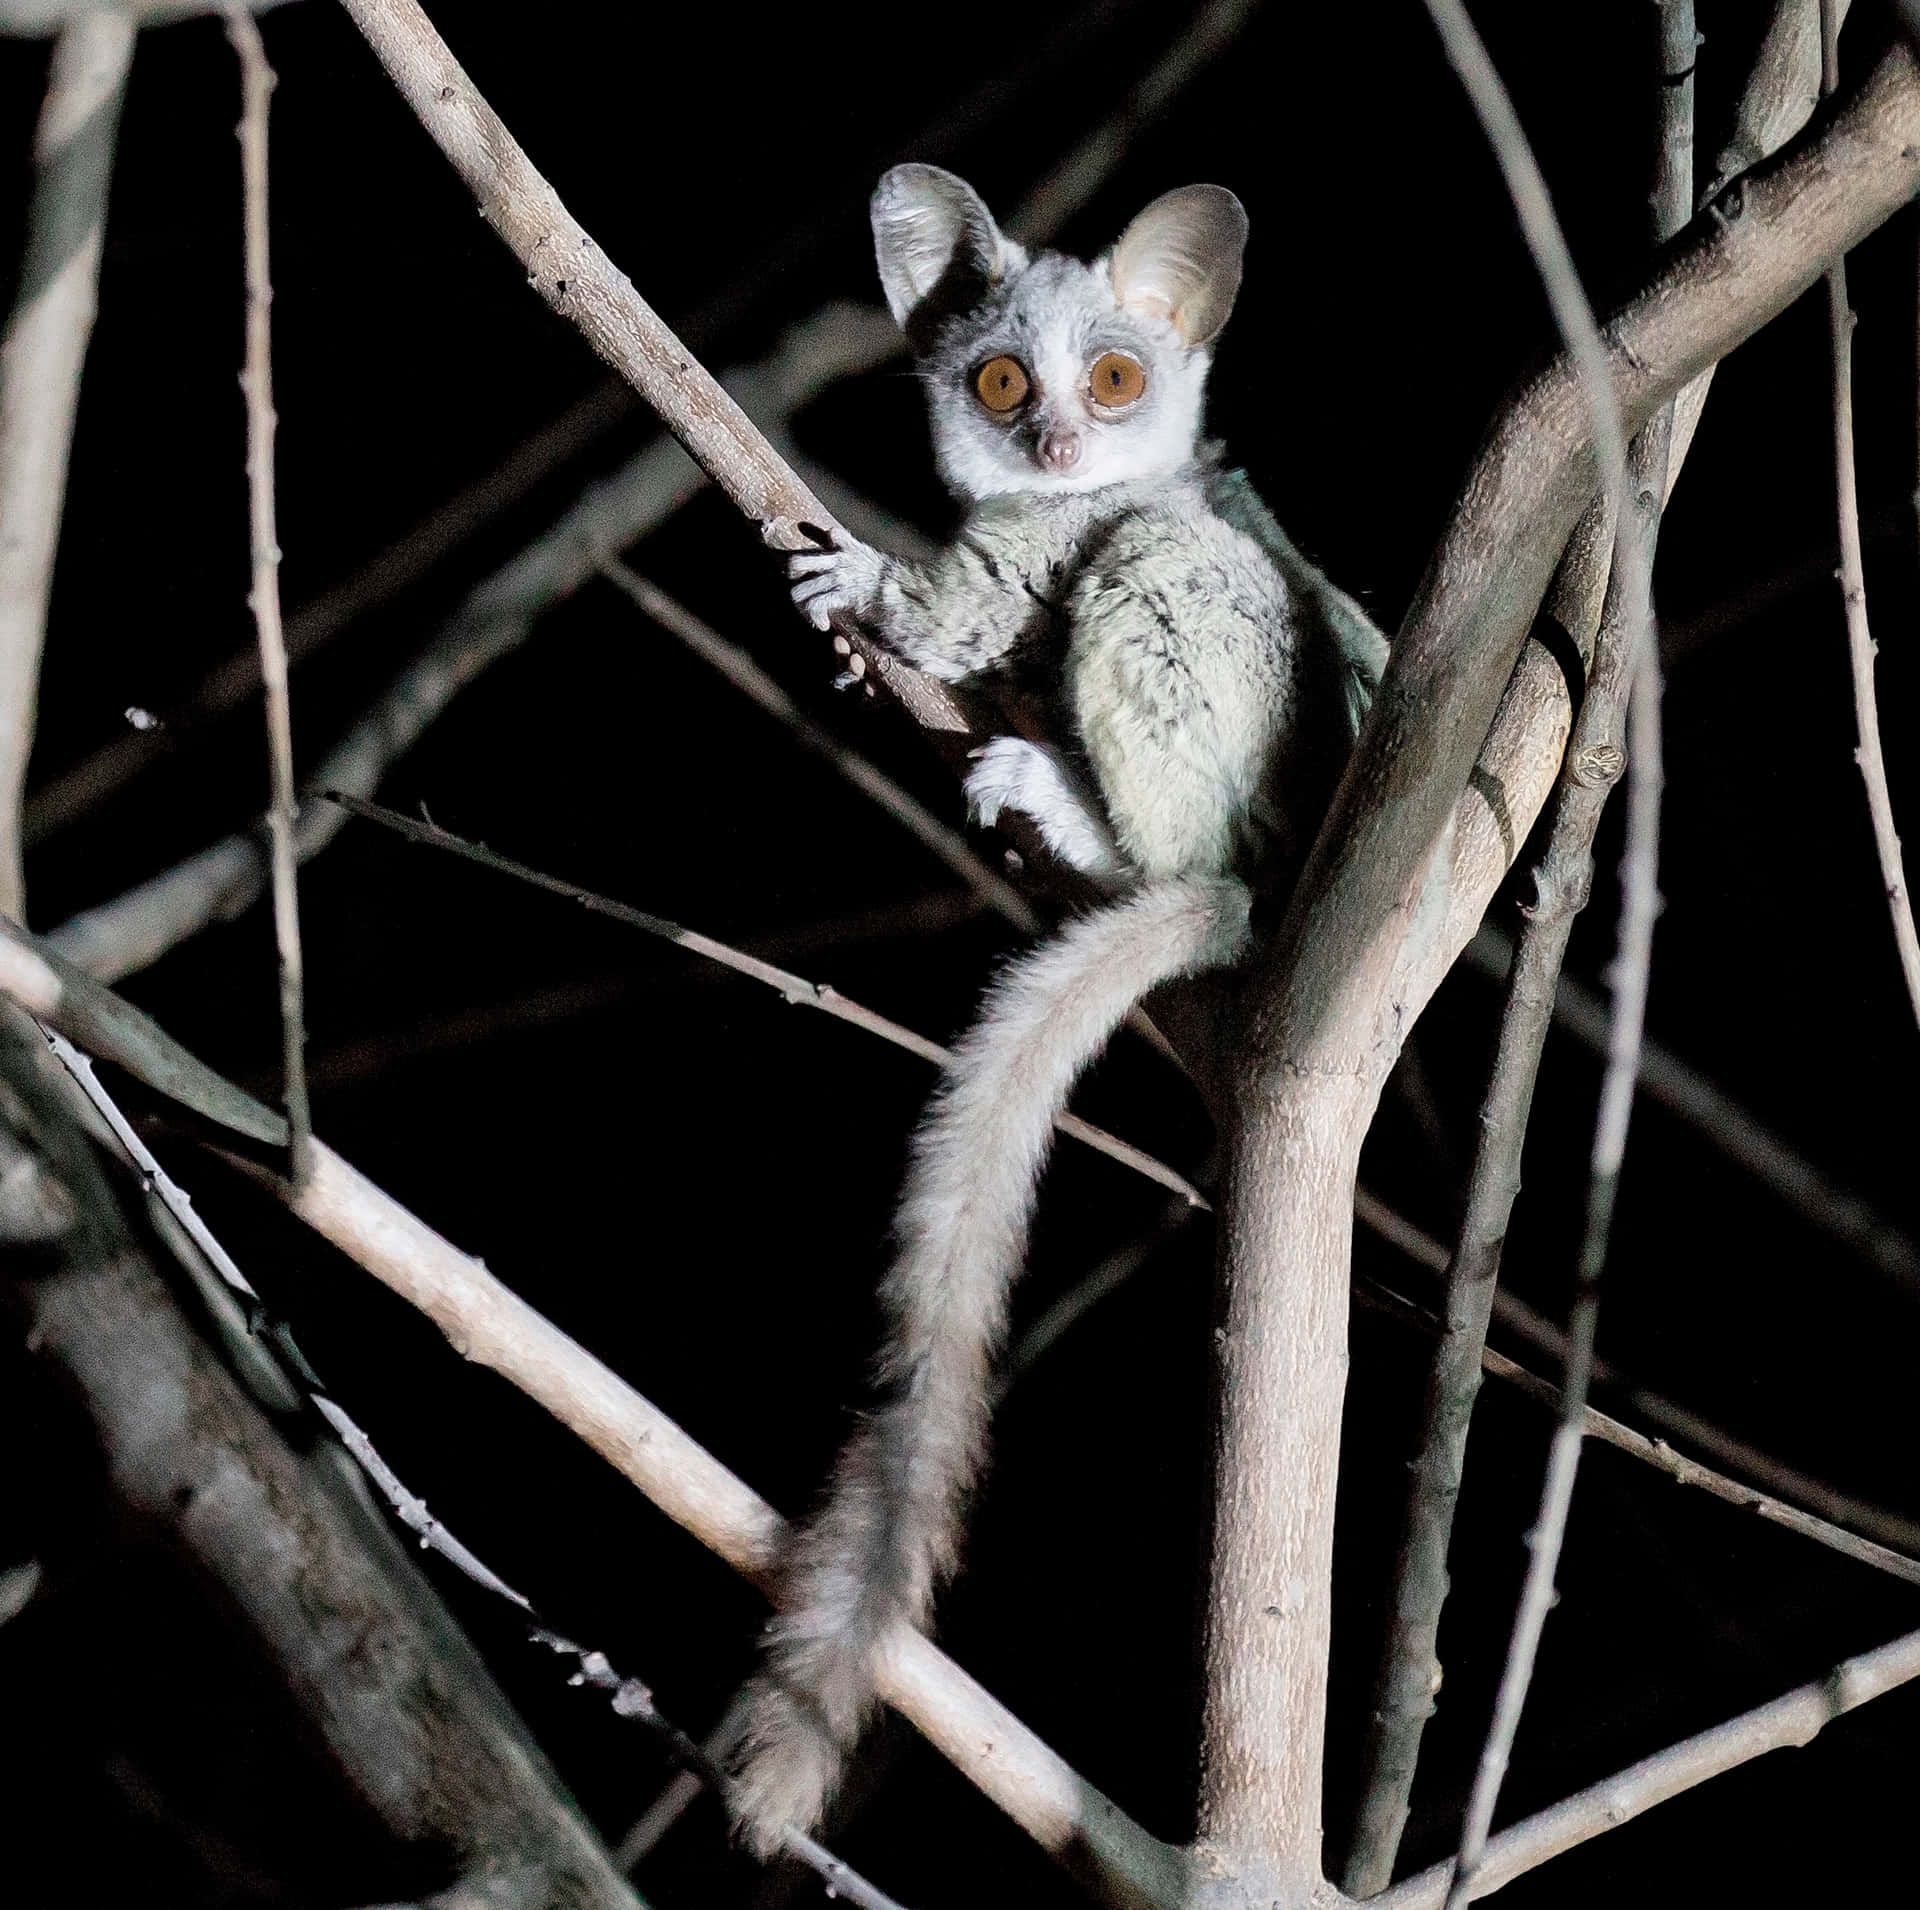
x=313, y=625
x=1725, y=1124
x=1793, y=1720
x=1782, y=1482
x=133, y=930
x=257, y=83
x=40, y=363
x=489, y=1324
x=1853, y=581
x=792, y=988
x=577, y=279
x=1061, y=192
x=1409, y=1676
x=366, y=1057
x=1594, y=1424
x=62, y=996
x=1637, y=665
x=630, y=1699
x=745, y=675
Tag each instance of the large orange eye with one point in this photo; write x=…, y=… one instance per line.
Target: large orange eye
x=1002, y=384
x=1116, y=380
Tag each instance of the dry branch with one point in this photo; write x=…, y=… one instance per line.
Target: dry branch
x=257, y=83
x=1727, y=1125
x=1393, y=890
x=394, y=1691
x=134, y=930
x=40, y=361
x=484, y=1321
x=795, y=989
x=1853, y=584
x=1796, y=1719
x=745, y=675
x=1625, y=677
x=1409, y=1677
x=576, y=278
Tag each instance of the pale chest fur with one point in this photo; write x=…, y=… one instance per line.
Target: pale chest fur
x=1178, y=673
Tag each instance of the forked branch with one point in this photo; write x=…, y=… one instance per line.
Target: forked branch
x=1394, y=888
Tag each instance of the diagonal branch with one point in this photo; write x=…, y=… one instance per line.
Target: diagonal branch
x=1410, y=1670
x=745, y=675
x=484, y=1321
x=390, y=1686
x=792, y=988
x=1796, y=1719
x=135, y=929
x=40, y=362
x=1393, y=890
x=579, y=281
x=1626, y=675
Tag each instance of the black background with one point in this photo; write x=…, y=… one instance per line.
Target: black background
x=695, y=1180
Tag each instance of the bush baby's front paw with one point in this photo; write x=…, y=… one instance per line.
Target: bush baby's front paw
x=845, y=578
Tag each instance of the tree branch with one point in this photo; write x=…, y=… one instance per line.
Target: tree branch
x=745, y=675
x=1728, y=1126
x=579, y=282
x=792, y=988
x=133, y=930
x=397, y=1695
x=1409, y=1675
x=1378, y=916
x=257, y=83
x=486, y=1322
x=1853, y=583
x=1796, y=1719
x=40, y=363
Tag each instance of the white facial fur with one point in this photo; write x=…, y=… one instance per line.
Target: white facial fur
x=967, y=295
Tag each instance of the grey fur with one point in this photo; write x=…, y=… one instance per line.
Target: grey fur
x=1201, y=679
x=889, y=1529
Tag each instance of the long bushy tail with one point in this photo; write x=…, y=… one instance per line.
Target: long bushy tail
x=888, y=1532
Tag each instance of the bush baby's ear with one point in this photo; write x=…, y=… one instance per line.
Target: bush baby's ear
x=938, y=248
x=1180, y=260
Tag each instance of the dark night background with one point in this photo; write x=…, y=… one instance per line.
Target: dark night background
x=696, y=1181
